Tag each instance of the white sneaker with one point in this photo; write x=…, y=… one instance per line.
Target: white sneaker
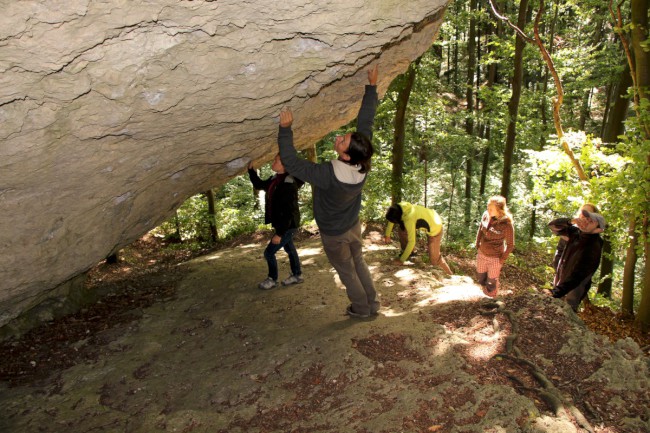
x=293, y=279
x=267, y=284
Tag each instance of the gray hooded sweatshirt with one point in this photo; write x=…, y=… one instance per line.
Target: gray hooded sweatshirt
x=336, y=185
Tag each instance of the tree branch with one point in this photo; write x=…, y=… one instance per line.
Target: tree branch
x=557, y=102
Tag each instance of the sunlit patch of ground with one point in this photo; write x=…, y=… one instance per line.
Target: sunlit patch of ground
x=455, y=288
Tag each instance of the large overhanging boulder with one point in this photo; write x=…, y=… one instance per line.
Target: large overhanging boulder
x=113, y=113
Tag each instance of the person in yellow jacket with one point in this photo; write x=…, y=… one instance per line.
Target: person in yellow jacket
x=411, y=217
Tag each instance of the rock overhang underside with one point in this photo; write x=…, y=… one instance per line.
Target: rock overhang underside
x=113, y=113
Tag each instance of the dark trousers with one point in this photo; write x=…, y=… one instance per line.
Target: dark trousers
x=345, y=253
x=287, y=243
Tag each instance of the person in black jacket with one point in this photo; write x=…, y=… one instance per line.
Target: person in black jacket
x=578, y=259
x=281, y=210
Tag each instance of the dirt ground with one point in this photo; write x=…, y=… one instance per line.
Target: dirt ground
x=187, y=343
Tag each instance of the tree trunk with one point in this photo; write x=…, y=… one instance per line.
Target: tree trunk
x=469, y=121
x=513, y=104
x=457, y=10
x=113, y=258
x=642, y=74
x=426, y=182
x=310, y=153
x=451, y=199
x=533, y=220
x=491, y=79
x=436, y=49
x=596, y=40
x=613, y=128
x=606, y=269
x=486, y=163
x=610, y=89
x=627, y=302
x=399, y=134
x=643, y=315
x=177, y=236
x=615, y=124
x=584, y=109
x=448, y=71
x=212, y=215
x=639, y=41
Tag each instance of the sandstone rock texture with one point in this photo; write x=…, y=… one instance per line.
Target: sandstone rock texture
x=113, y=113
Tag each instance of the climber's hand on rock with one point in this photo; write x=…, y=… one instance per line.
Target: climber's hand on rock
x=286, y=118
x=373, y=74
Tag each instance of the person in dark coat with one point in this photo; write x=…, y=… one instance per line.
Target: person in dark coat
x=281, y=210
x=578, y=255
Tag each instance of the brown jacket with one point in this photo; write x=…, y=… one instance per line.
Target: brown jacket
x=495, y=238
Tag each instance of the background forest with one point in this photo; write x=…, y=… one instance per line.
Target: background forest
x=551, y=118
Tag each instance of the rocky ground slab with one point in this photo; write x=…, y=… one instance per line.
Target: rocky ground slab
x=197, y=347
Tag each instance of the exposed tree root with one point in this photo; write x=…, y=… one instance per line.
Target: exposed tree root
x=547, y=391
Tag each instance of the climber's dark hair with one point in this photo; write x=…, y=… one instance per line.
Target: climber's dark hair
x=394, y=215
x=360, y=151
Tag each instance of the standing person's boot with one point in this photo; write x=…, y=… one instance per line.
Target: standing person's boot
x=481, y=278
x=491, y=287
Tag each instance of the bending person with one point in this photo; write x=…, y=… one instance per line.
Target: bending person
x=410, y=218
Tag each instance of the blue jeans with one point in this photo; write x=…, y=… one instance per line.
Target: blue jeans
x=287, y=242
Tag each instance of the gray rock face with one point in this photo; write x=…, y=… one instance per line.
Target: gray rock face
x=113, y=113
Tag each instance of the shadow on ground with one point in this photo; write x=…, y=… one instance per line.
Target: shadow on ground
x=215, y=354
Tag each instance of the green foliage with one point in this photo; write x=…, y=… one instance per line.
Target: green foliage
x=235, y=214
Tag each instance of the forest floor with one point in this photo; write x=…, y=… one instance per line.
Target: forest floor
x=433, y=333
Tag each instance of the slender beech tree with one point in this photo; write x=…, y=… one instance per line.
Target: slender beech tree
x=469, y=119
x=513, y=103
x=606, y=267
x=614, y=127
x=627, y=301
x=614, y=124
x=639, y=61
x=455, y=67
x=212, y=215
x=399, y=132
x=492, y=77
x=641, y=72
